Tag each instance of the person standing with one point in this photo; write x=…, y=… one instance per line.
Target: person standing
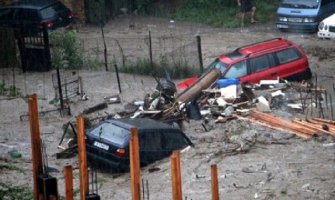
x=245, y=7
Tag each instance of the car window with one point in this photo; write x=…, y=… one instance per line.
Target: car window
x=287, y=55
x=174, y=141
x=6, y=14
x=237, y=70
x=150, y=141
x=27, y=15
x=260, y=63
x=111, y=133
x=325, y=2
x=52, y=11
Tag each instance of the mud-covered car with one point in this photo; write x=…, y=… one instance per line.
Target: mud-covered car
x=108, y=142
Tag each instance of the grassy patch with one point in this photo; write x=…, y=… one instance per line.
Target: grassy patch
x=10, y=167
x=215, y=13
x=144, y=67
x=8, y=191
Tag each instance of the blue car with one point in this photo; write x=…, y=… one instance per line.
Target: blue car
x=303, y=15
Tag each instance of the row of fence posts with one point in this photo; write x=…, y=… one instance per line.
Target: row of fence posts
x=41, y=192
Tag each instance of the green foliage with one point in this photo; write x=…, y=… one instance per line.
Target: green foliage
x=143, y=67
x=66, y=51
x=11, y=192
x=222, y=12
x=9, y=91
x=10, y=167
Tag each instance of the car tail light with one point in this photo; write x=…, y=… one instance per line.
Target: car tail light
x=120, y=152
x=49, y=24
x=70, y=15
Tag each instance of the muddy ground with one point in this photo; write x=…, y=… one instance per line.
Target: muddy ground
x=278, y=166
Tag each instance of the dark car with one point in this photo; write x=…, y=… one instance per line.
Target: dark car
x=108, y=143
x=34, y=14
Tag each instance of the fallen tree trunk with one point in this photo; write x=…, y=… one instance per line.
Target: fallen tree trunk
x=203, y=83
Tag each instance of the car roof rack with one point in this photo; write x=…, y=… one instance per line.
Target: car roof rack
x=253, y=44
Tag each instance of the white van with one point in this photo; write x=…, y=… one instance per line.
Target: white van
x=327, y=28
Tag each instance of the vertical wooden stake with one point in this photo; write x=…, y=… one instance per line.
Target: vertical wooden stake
x=177, y=153
x=35, y=142
x=135, y=164
x=68, y=182
x=83, y=172
x=215, y=187
x=176, y=176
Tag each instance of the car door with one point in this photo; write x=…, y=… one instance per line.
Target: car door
x=150, y=146
x=174, y=140
x=261, y=68
x=289, y=62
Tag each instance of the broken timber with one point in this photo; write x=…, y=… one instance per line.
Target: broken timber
x=297, y=129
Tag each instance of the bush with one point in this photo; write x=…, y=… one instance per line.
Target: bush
x=66, y=50
x=143, y=67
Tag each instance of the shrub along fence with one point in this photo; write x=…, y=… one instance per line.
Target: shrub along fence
x=180, y=55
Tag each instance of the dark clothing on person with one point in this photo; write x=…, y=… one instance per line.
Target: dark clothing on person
x=246, y=6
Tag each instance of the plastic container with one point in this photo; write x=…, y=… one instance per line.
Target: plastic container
x=221, y=83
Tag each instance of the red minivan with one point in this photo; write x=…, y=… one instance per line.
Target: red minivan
x=266, y=60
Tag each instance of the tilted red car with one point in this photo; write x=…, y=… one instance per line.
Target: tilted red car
x=266, y=60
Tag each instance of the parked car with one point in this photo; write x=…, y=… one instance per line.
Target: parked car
x=34, y=13
x=108, y=142
x=327, y=28
x=266, y=60
x=303, y=15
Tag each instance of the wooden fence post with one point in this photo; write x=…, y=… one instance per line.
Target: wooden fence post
x=83, y=172
x=68, y=182
x=176, y=176
x=35, y=142
x=214, y=181
x=135, y=164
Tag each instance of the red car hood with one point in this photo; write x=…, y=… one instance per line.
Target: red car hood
x=187, y=83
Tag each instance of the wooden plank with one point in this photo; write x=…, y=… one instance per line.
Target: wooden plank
x=134, y=164
x=214, y=182
x=311, y=126
x=324, y=121
x=68, y=176
x=35, y=143
x=83, y=172
x=276, y=121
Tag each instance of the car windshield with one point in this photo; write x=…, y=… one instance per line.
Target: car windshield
x=52, y=11
x=216, y=64
x=111, y=133
x=309, y=4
